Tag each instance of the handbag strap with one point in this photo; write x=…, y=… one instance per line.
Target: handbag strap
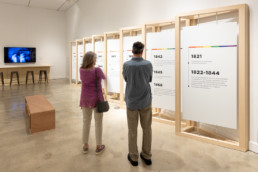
x=96, y=83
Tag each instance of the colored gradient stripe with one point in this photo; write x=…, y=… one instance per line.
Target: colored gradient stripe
x=215, y=46
x=100, y=51
x=163, y=49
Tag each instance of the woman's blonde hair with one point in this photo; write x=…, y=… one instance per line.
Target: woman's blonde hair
x=88, y=60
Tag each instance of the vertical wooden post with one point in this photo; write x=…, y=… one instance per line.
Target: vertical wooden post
x=84, y=49
x=76, y=82
x=158, y=29
x=118, y=37
x=243, y=77
x=70, y=60
x=153, y=28
x=93, y=43
x=144, y=41
x=121, y=68
x=105, y=63
x=188, y=22
x=178, y=75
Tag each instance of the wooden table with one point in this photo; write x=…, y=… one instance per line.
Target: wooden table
x=22, y=69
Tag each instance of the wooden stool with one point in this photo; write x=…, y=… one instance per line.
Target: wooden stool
x=40, y=76
x=2, y=77
x=17, y=76
x=27, y=75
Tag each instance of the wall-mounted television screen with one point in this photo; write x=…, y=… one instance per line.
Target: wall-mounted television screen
x=19, y=55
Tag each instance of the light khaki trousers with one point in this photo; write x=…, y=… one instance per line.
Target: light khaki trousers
x=145, y=115
x=87, y=115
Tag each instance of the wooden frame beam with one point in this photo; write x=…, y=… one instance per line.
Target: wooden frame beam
x=87, y=39
x=243, y=76
x=156, y=27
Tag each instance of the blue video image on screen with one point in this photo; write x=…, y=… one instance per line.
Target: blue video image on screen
x=20, y=55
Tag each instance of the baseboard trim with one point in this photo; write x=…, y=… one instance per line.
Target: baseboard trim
x=253, y=146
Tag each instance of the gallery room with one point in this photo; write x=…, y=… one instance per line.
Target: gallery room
x=128, y=85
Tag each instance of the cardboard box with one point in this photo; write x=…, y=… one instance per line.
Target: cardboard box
x=41, y=113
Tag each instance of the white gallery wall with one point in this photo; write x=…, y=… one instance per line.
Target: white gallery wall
x=35, y=27
x=95, y=17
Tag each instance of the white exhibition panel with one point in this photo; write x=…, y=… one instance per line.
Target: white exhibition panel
x=113, y=65
x=80, y=58
x=99, y=50
x=209, y=74
x=88, y=47
x=74, y=62
x=161, y=52
x=128, y=42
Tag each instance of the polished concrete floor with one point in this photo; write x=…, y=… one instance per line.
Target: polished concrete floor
x=60, y=149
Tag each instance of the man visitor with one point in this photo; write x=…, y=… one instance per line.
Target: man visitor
x=137, y=74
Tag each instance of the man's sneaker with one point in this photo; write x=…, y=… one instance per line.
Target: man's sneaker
x=85, y=150
x=147, y=161
x=134, y=163
x=100, y=150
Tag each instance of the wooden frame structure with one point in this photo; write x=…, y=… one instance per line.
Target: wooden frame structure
x=114, y=35
x=132, y=31
x=243, y=79
x=156, y=27
x=71, y=61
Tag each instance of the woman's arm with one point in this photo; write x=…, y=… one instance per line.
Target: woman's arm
x=100, y=73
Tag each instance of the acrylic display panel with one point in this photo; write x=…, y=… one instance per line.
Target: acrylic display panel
x=88, y=47
x=161, y=52
x=209, y=74
x=113, y=65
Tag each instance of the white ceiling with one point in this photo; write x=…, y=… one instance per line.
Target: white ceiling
x=59, y=5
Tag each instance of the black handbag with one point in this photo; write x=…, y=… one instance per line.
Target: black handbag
x=102, y=106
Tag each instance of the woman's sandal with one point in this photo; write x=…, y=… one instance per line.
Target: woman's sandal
x=100, y=150
x=85, y=150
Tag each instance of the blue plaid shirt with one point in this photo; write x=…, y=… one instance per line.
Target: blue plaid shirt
x=137, y=74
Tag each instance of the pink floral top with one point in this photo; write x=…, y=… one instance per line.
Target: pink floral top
x=88, y=92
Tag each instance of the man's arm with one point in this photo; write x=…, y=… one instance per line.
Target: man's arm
x=124, y=73
x=151, y=71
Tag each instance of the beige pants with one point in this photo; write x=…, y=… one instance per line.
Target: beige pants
x=87, y=115
x=145, y=115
